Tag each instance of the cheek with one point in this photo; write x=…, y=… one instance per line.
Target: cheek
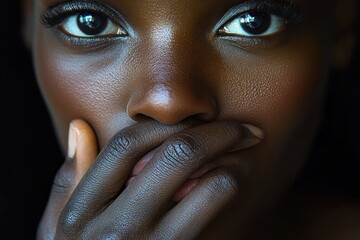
x=274, y=91
x=90, y=86
x=280, y=91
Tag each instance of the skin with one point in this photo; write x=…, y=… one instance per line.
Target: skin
x=174, y=84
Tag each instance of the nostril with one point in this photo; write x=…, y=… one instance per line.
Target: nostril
x=177, y=106
x=194, y=119
x=139, y=117
x=200, y=117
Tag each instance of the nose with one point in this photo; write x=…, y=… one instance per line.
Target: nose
x=171, y=104
x=170, y=87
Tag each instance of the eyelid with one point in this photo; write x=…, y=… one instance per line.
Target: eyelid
x=56, y=14
x=287, y=10
x=280, y=25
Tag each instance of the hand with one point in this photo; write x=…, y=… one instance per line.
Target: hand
x=100, y=207
x=82, y=151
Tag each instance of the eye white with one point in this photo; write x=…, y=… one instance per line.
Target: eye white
x=71, y=27
x=235, y=27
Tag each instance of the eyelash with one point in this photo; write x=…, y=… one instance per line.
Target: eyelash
x=286, y=10
x=55, y=15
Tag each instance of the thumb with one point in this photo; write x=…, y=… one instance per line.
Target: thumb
x=82, y=151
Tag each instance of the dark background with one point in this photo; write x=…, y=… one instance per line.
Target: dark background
x=29, y=154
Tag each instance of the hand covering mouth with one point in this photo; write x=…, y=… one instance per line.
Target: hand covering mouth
x=187, y=186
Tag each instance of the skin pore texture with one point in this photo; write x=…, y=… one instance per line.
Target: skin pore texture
x=174, y=77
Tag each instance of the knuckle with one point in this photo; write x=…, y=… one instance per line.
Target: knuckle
x=123, y=144
x=225, y=184
x=123, y=141
x=64, y=179
x=180, y=149
x=114, y=232
x=112, y=235
x=70, y=220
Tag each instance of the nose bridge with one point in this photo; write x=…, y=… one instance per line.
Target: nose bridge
x=169, y=90
x=169, y=58
x=161, y=58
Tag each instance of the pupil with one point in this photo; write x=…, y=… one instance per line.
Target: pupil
x=91, y=23
x=255, y=22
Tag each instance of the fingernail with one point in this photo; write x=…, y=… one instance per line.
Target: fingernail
x=72, y=143
x=254, y=137
x=257, y=132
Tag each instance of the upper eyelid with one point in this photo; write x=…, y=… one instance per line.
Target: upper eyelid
x=265, y=5
x=55, y=14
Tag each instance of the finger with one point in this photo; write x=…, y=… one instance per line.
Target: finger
x=82, y=151
x=105, y=178
x=215, y=193
x=87, y=148
x=179, y=157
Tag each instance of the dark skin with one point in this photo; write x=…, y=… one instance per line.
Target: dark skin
x=174, y=76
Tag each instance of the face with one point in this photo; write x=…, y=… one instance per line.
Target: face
x=114, y=63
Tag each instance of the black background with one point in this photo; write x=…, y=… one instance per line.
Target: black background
x=30, y=156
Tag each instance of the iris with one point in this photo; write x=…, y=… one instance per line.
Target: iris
x=255, y=23
x=91, y=23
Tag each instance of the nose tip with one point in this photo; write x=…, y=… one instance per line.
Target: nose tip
x=171, y=106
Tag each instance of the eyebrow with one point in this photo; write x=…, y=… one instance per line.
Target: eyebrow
x=54, y=2
x=290, y=1
x=294, y=3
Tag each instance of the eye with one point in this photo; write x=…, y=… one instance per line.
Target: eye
x=90, y=24
x=253, y=24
